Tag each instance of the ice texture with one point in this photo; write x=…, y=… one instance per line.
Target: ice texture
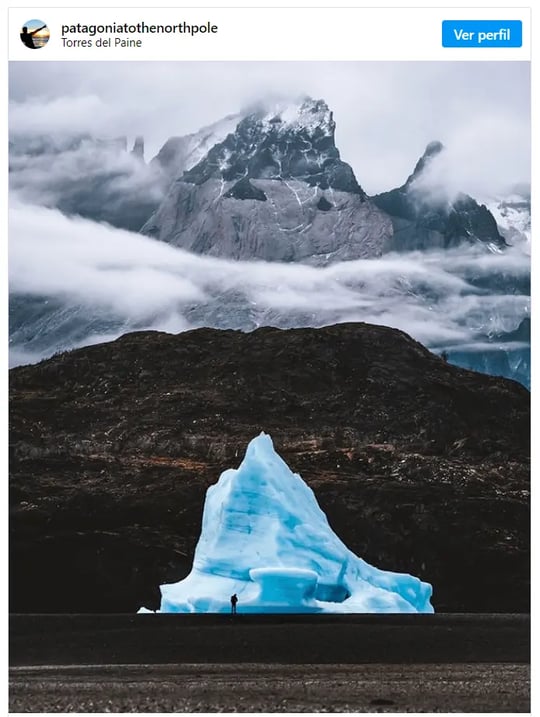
x=265, y=538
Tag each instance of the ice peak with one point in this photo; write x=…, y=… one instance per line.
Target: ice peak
x=263, y=471
x=265, y=538
x=260, y=444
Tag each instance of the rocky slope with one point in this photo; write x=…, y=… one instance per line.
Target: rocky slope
x=420, y=466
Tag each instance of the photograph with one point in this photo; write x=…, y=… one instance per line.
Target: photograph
x=269, y=391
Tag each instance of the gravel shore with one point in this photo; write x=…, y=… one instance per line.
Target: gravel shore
x=269, y=663
x=271, y=688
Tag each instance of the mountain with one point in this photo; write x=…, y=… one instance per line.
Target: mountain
x=466, y=303
x=424, y=217
x=275, y=189
x=522, y=333
x=269, y=183
x=512, y=212
x=102, y=179
x=419, y=466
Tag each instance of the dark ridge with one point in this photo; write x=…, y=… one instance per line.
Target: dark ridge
x=420, y=466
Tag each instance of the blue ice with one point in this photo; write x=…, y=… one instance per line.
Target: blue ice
x=265, y=538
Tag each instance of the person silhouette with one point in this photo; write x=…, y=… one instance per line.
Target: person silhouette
x=234, y=600
x=27, y=38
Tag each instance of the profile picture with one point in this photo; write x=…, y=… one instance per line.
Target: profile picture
x=34, y=34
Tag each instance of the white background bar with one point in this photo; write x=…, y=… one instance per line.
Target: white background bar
x=297, y=33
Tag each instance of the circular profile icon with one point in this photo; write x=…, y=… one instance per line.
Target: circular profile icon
x=34, y=34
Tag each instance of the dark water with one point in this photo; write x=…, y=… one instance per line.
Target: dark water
x=270, y=639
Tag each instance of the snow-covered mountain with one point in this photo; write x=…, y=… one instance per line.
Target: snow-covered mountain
x=512, y=212
x=269, y=183
x=265, y=538
x=276, y=189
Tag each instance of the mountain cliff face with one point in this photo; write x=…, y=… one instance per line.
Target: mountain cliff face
x=274, y=189
x=420, y=466
x=423, y=217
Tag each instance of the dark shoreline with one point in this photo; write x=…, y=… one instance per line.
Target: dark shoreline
x=270, y=663
x=270, y=639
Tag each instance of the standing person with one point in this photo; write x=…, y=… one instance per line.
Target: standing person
x=27, y=38
x=234, y=600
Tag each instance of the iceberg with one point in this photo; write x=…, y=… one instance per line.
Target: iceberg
x=265, y=539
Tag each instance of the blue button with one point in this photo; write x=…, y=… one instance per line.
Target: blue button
x=481, y=33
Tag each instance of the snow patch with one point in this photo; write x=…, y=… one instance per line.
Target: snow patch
x=513, y=216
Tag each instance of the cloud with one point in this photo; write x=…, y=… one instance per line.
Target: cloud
x=481, y=159
x=100, y=180
x=386, y=112
x=440, y=298
x=61, y=116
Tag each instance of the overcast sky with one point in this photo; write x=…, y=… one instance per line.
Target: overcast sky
x=385, y=112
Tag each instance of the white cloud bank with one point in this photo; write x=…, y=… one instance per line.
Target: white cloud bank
x=143, y=282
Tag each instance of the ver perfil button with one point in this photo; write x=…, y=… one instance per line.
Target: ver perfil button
x=481, y=33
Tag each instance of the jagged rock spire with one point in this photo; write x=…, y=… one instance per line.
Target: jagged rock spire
x=138, y=148
x=432, y=150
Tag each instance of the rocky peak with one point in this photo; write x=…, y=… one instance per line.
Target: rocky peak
x=432, y=150
x=138, y=148
x=425, y=215
x=306, y=116
x=280, y=141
